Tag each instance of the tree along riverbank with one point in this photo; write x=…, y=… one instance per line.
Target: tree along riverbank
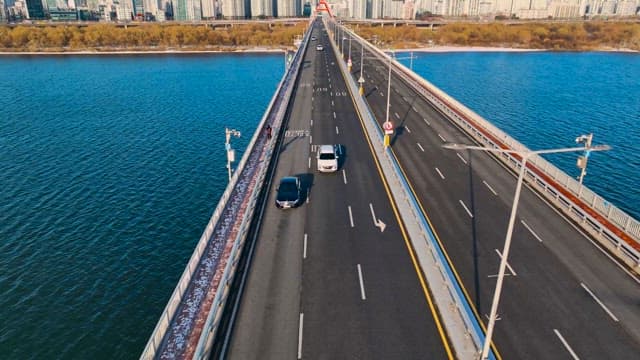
x=570, y=36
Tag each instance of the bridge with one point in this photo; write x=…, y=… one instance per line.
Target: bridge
x=395, y=255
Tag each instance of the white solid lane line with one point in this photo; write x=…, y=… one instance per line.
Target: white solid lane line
x=408, y=130
x=442, y=138
x=509, y=266
x=344, y=176
x=461, y=158
x=427, y=121
x=566, y=345
x=362, y=294
x=465, y=208
x=337, y=132
x=530, y=230
x=599, y=302
x=490, y=188
x=300, y=325
x=420, y=146
x=304, y=251
x=350, y=216
x=439, y=173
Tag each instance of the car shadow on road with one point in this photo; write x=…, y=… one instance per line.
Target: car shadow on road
x=306, y=183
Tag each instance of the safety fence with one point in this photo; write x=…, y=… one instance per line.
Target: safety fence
x=189, y=321
x=612, y=227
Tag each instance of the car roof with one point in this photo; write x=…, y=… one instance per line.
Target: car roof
x=288, y=179
x=326, y=148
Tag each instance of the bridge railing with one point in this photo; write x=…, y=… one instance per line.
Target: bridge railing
x=615, y=229
x=222, y=241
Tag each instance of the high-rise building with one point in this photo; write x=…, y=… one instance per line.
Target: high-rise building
x=287, y=8
x=233, y=9
x=358, y=9
x=138, y=7
x=261, y=8
x=208, y=9
x=35, y=10
x=376, y=9
x=392, y=9
x=187, y=10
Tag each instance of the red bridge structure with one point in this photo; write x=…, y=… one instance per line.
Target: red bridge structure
x=323, y=6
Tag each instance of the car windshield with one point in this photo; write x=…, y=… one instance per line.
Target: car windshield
x=327, y=156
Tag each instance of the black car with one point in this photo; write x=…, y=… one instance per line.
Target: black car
x=288, y=193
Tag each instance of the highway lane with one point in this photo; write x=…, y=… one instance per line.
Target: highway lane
x=545, y=309
x=325, y=281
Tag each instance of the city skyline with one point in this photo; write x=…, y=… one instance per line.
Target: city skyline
x=195, y=10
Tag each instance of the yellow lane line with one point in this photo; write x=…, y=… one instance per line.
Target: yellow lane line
x=416, y=266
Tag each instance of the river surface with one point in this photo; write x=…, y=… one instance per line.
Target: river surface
x=546, y=100
x=111, y=166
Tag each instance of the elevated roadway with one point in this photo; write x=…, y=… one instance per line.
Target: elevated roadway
x=564, y=296
x=327, y=279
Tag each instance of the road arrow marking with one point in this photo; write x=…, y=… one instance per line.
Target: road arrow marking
x=377, y=222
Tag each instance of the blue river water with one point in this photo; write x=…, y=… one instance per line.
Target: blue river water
x=111, y=166
x=546, y=100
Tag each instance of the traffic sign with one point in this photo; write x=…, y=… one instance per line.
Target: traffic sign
x=388, y=127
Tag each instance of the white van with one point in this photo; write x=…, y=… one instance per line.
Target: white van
x=327, y=157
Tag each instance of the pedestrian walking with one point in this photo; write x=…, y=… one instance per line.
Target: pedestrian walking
x=268, y=131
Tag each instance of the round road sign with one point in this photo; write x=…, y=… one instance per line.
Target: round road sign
x=388, y=127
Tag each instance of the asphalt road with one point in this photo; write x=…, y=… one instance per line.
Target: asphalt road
x=325, y=281
x=563, y=297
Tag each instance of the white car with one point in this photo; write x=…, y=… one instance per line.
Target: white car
x=327, y=158
x=319, y=48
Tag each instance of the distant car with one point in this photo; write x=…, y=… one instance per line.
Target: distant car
x=288, y=193
x=319, y=48
x=313, y=38
x=327, y=158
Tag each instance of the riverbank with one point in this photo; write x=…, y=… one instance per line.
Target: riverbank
x=453, y=49
x=148, y=52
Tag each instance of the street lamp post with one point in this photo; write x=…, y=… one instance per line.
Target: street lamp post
x=231, y=154
x=524, y=155
x=582, y=160
x=361, y=79
x=386, y=142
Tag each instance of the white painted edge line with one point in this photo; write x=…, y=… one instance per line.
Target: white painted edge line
x=490, y=188
x=344, y=176
x=461, y=158
x=304, y=248
x=396, y=114
x=509, y=266
x=427, y=121
x=566, y=345
x=599, y=302
x=420, y=146
x=531, y=230
x=466, y=209
x=362, y=294
x=337, y=131
x=334, y=114
x=350, y=216
x=408, y=130
x=309, y=162
x=300, y=326
x=439, y=173
x=442, y=138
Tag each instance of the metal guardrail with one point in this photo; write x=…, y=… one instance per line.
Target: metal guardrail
x=222, y=239
x=583, y=205
x=462, y=326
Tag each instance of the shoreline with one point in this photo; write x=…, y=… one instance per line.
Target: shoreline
x=146, y=52
x=264, y=50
